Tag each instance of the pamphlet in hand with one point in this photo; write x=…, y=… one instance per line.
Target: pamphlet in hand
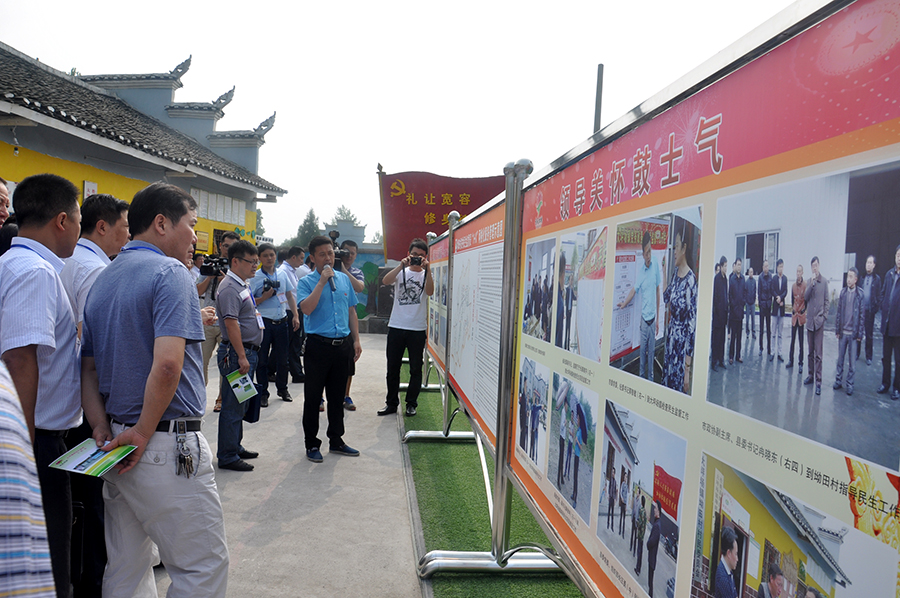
x=88, y=459
x=242, y=386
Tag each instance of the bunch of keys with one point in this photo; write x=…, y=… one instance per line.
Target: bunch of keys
x=185, y=460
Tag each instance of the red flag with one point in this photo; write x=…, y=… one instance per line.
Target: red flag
x=415, y=203
x=666, y=489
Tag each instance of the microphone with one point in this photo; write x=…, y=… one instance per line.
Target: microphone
x=331, y=281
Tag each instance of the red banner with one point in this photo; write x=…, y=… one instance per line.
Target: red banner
x=666, y=489
x=414, y=203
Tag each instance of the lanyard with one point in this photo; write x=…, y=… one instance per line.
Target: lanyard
x=142, y=248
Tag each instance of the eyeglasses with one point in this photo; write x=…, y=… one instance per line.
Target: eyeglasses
x=254, y=263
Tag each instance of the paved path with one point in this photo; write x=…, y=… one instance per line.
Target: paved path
x=338, y=528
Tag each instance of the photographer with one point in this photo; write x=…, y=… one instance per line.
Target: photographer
x=406, y=329
x=271, y=290
x=207, y=284
x=347, y=255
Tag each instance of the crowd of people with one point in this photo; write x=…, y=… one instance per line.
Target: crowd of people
x=736, y=296
x=107, y=327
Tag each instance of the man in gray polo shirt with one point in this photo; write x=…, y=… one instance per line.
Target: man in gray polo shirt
x=141, y=369
x=241, y=337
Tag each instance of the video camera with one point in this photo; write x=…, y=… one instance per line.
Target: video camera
x=339, y=254
x=214, y=266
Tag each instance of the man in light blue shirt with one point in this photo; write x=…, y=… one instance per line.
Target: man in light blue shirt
x=273, y=298
x=328, y=303
x=647, y=284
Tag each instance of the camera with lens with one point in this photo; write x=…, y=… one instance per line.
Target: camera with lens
x=415, y=260
x=214, y=266
x=271, y=284
x=339, y=254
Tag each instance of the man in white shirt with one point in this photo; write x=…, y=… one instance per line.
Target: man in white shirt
x=412, y=282
x=40, y=351
x=104, y=231
x=290, y=267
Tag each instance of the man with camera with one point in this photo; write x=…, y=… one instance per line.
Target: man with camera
x=412, y=281
x=212, y=273
x=347, y=255
x=332, y=341
x=270, y=288
x=241, y=337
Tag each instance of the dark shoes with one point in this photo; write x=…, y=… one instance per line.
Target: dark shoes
x=771, y=357
x=789, y=365
x=387, y=410
x=818, y=390
x=298, y=379
x=410, y=410
x=245, y=454
x=264, y=402
x=836, y=385
x=809, y=380
x=285, y=396
x=780, y=358
x=895, y=395
x=344, y=450
x=882, y=389
x=239, y=465
x=314, y=455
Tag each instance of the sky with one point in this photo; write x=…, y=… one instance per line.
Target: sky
x=458, y=89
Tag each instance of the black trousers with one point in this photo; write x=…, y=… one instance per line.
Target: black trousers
x=326, y=369
x=734, y=349
x=56, y=491
x=891, y=348
x=88, y=549
x=718, y=344
x=650, y=571
x=797, y=330
x=295, y=351
x=275, y=339
x=400, y=341
x=765, y=323
x=870, y=332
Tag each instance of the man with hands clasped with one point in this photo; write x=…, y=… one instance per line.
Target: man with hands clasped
x=412, y=283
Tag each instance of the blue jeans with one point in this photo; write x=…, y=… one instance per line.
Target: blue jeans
x=231, y=418
x=648, y=343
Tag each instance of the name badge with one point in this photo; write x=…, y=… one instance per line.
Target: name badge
x=281, y=298
x=245, y=294
x=259, y=321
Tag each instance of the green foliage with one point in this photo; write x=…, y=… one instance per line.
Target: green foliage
x=377, y=237
x=260, y=229
x=344, y=213
x=308, y=229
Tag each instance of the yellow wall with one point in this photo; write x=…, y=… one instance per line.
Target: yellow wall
x=762, y=524
x=27, y=163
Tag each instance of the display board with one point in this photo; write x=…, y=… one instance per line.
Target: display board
x=477, y=277
x=438, y=260
x=789, y=165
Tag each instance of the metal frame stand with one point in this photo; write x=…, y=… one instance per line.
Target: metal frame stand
x=501, y=558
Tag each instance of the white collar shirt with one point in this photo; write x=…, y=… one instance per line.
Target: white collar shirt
x=80, y=272
x=291, y=273
x=35, y=310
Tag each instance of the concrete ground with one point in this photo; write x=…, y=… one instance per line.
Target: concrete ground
x=619, y=546
x=338, y=528
x=864, y=424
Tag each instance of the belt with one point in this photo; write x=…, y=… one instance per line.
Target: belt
x=328, y=341
x=250, y=346
x=649, y=322
x=54, y=433
x=284, y=319
x=192, y=425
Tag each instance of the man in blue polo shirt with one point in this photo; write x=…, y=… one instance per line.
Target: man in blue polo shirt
x=328, y=304
x=647, y=284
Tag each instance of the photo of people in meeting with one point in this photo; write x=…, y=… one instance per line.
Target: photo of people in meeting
x=655, y=291
x=806, y=310
x=538, y=281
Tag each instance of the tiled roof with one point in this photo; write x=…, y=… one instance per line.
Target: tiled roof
x=34, y=86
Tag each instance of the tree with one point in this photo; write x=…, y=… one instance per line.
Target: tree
x=308, y=229
x=377, y=238
x=260, y=229
x=344, y=213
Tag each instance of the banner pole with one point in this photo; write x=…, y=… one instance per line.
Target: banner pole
x=512, y=238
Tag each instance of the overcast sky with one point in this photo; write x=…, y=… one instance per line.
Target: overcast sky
x=457, y=89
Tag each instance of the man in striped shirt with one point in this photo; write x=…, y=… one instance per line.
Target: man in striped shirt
x=41, y=351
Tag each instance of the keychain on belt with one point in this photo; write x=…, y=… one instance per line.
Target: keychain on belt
x=185, y=460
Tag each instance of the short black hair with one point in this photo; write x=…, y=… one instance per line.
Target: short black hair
x=874, y=261
x=229, y=235
x=317, y=241
x=779, y=263
x=814, y=591
x=420, y=243
x=349, y=243
x=158, y=198
x=723, y=260
x=816, y=259
x=41, y=197
x=241, y=248
x=854, y=270
x=645, y=241
x=282, y=254
x=295, y=251
x=774, y=571
x=266, y=247
x=101, y=206
x=737, y=261
x=728, y=538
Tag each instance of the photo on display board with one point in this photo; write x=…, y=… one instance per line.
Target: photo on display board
x=580, y=287
x=538, y=282
x=573, y=434
x=654, y=316
x=444, y=274
x=751, y=535
x=803, y=338
x=531, y=433
x=643, y=464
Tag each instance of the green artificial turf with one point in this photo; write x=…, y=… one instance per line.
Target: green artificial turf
x=454, y=512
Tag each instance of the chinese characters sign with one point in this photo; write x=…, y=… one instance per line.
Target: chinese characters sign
x=414, y=203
